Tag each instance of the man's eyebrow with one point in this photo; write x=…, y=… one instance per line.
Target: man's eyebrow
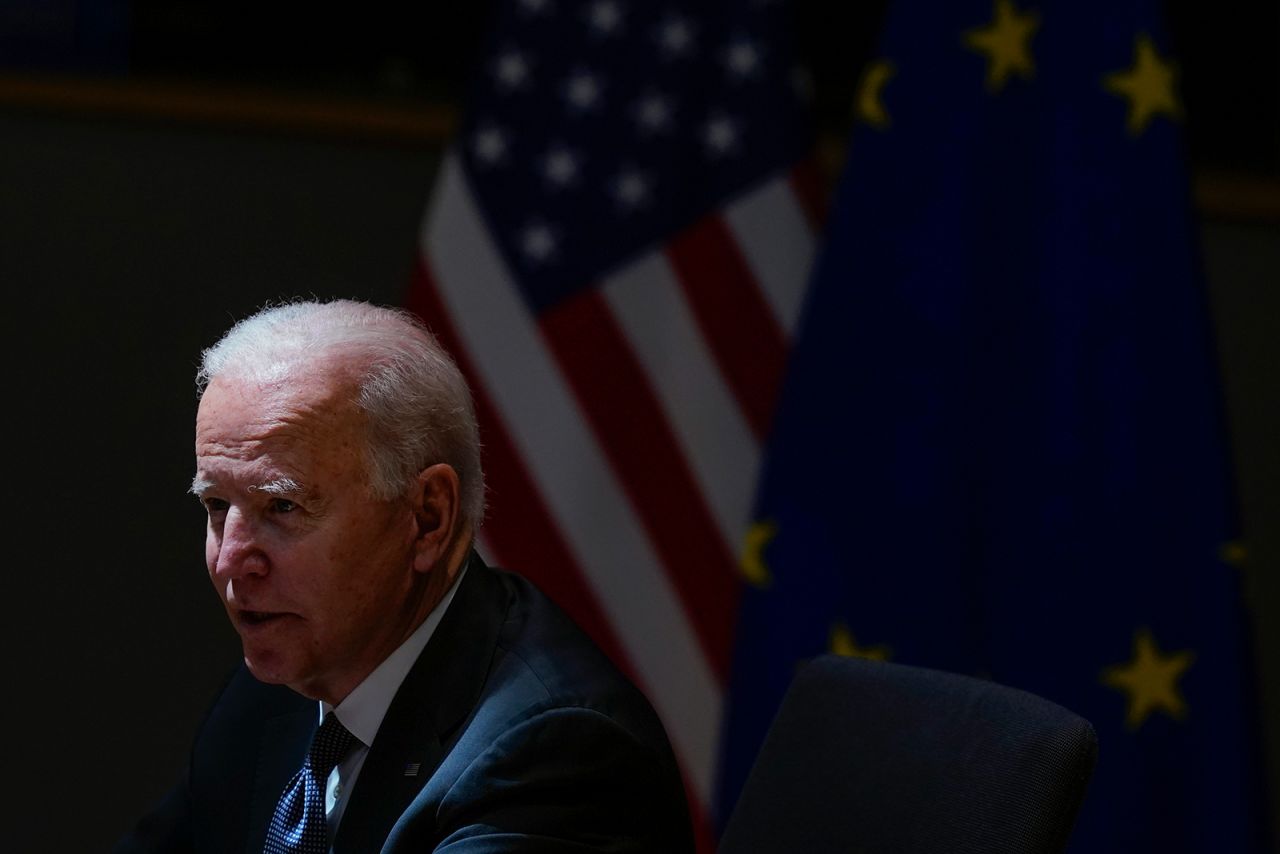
x=284, y=487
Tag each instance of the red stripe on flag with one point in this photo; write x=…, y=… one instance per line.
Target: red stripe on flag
x=520, y=526
x=627, y=419
x=736, y=320
x=810, y=190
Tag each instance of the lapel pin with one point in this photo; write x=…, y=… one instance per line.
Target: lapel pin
x=411, y=770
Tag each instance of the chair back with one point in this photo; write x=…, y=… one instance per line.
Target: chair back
x=866, y=756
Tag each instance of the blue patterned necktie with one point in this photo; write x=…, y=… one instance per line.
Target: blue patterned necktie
x=299, y=825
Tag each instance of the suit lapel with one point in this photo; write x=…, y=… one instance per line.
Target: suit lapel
x=285, y=739
x=439, y=691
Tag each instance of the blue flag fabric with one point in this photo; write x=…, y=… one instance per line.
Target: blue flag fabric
x=1000, y=448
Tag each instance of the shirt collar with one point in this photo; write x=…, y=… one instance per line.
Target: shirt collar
x=362, y=711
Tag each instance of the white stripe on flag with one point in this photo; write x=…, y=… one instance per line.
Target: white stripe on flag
x=775, y=237
x=721, y=450
x=572, y=475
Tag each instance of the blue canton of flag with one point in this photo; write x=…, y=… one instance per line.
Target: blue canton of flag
x=1000, y=447
x=601, y=128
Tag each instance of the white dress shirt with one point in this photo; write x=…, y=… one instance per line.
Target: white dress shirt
x=364, y=708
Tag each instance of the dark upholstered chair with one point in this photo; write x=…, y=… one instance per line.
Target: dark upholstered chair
x=871, y=757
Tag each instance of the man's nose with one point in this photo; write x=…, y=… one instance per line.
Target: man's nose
x=239, y=549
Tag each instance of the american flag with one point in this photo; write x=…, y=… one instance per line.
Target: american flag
x=616, y=253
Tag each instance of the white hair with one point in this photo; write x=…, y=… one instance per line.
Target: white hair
x=418, y=406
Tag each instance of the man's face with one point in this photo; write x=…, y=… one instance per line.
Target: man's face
x=315, y=573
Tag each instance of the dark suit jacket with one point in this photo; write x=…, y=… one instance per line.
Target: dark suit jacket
x=526, y=738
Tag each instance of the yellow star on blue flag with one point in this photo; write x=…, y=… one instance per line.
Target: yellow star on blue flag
x=1150, y=680
x=844, y=643
x=752, y=563
x=1148, y=86
x=869, y=103
x=1006, y=43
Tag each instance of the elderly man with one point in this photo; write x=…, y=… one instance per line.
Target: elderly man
x=397, y=694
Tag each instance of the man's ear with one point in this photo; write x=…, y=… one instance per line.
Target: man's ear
x=436, y=507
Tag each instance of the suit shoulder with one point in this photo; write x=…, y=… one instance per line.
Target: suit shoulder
x=553, y=649
x=546, y=659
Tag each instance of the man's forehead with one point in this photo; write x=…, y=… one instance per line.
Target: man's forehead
x=335, y=375
x=303, y=390
x=276, y=438
x=250, y=409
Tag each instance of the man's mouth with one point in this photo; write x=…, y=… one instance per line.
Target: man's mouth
x=259, y=618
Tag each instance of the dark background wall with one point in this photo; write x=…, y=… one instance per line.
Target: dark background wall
x=125, y=248
x=176, y=165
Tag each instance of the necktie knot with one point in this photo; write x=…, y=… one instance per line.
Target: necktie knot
x=329, y=744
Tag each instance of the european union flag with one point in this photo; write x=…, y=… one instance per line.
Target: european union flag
x=1000, y=449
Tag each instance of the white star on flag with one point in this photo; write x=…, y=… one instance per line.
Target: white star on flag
x=538, y=242
x=631, y=189
x=583, y=91
x=654, y=113
x=606, y=17
x=675, y=37
x=489, y=145
x=560, y=167
x=720, y=135
x=512, y=70
x=742, y=59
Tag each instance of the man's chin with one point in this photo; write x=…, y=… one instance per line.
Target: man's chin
x=263, y=671
x=270, y=664
x=270, y=670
